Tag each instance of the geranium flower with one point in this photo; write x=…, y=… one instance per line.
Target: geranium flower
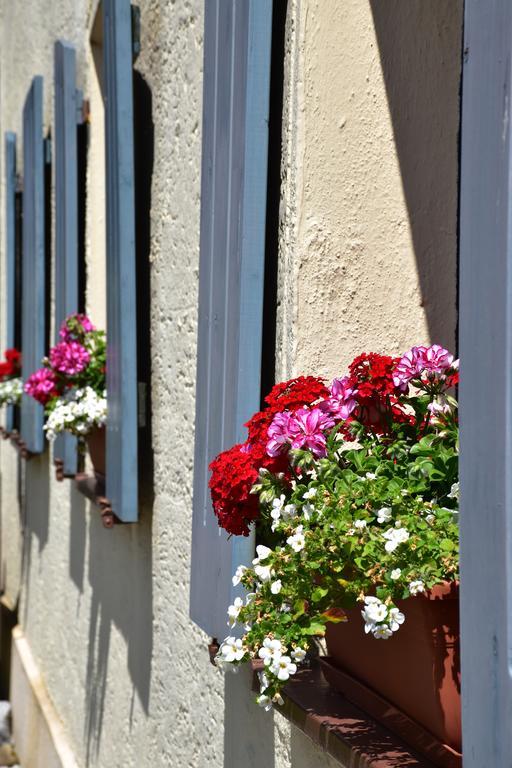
x=42, y=385
x=69, y=357
x=75, y=326
x=307, y=428
x=342, y=401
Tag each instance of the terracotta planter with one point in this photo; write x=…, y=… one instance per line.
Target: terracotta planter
x=97, y=446
x=417, y=670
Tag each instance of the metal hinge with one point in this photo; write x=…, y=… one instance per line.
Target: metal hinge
x=135, y=31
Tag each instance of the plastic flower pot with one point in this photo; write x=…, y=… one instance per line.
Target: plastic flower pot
x=413, y=678
x=97, y=448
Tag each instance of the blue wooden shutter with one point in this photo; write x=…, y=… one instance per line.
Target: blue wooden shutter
x=486, y=386
x=10, y=253
x=33, y=261
x=67, y=104
x=236, y=90
x=122, y=465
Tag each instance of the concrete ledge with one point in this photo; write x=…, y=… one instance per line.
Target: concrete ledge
x=37, y=729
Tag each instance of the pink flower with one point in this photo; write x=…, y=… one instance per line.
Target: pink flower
x=342, y=401
x=308, y=426
x=437, y=359
x=433, y=360
x=73, y=324
x=69, y=357
x=42, y=385
x=409, y=367
x=279, y=434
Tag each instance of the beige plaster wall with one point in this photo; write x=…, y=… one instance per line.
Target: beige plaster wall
x=367, y=235
x=369, y=225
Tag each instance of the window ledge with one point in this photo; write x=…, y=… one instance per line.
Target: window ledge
x=93, y=488
x=346, y=733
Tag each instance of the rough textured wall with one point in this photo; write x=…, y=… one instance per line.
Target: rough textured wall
x=106, y=612
x=369, y=231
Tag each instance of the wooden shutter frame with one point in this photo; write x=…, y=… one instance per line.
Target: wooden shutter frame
x=10, y=253
x=33, y=262
x=68, y=101
x=233, y=240
x=122, y=423
x=486, y=385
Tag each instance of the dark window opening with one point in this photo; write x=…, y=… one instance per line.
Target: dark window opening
x=268, y=356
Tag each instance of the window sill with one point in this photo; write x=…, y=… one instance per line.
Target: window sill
x=346, y=733
x=93, y=488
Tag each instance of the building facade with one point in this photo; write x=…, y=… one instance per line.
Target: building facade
x=360, y=253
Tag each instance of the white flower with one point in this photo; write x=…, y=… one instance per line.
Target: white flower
x=373, y=613
x=78, y=412
x=430, y=518
x=285, y=608
x=395, y=618
x=308, y=510
x=416, y=586
x=263, y=572
x=275, y=587
x=454, y=491
x=310, y=494
x=11, y=391
x=396, y=573
x=264, y=681
x=237, y=578
x=232, y=650
x=264, y=701
x=359, y=524
x=297, y=541
x=283, y=667
x=351, y=531
x=370, y=476
x=290, y=510
x=394, y=537
x=270, y=651
x=262, y=554
x=382, y=632
x=384, y=514
x=234, y=610
x=299, y=654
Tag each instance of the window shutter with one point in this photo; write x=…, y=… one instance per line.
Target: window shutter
x=486, y=386
x=33, y=261
x=67, y=104
x=236, y=91
x=10, y=253
x=122, y=465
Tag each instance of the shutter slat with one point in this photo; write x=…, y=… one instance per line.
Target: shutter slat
x=122, y=465
x=66, y=212
x=10, y=253
x=33, y=261
x=233, y=210
x=486, y=385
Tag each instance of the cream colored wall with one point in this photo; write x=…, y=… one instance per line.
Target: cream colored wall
x=367, y=233
x=369, y=230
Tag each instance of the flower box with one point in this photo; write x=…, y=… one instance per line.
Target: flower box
x=353, y=490
x=410, y=683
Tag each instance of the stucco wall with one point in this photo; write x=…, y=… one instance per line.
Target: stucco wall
x=368, y=235
x=369, y=229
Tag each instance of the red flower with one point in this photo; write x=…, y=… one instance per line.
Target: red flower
x=372, y=375
x=233, y=475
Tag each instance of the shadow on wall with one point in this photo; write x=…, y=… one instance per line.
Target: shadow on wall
x=120, y=560
x=35, y=517
x=256, y=745
x=420, y=47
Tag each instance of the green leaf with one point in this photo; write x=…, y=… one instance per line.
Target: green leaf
x=318, y=594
